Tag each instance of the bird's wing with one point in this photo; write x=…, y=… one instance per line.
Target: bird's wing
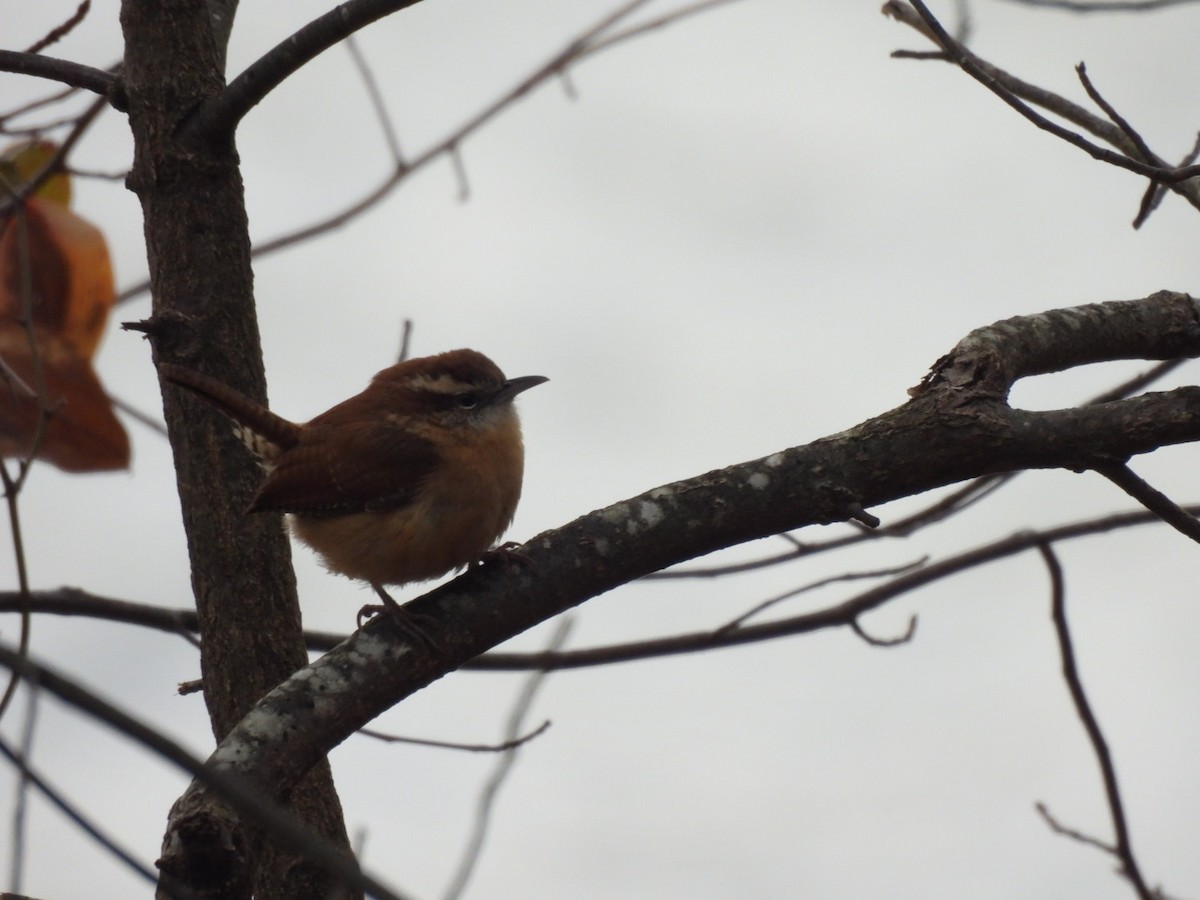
x=341, y=466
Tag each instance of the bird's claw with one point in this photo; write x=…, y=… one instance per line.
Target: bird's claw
x=403, y=619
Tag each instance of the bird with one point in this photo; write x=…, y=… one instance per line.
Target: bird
x=416, y=476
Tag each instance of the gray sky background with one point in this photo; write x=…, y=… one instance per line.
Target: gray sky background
x=745, y=232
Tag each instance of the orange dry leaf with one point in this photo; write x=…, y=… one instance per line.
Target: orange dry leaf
x=55, y=274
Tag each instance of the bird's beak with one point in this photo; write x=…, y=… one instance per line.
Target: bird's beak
x=514, y=386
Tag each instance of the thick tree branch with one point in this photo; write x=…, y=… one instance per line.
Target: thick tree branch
x=953, y=503
x=72, y=73
x=217, y=118
x=198, y=249
x=988, y=361
x=958, y=426
x=73, y=602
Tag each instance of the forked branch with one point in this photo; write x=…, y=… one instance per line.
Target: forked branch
x=957, y=426
x=1131, y=154
x=1122, y=848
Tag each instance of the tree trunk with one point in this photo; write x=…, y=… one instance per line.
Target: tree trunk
x=203, y=317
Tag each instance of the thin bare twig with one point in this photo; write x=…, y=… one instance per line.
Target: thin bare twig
x=247, y=801
x=954, y=502
x=14, y=383
x=1011, y=91
x=838, y=616
x=502, y=747
x=406, y=332
x=649, y=25
x=1155, y=501
x=74, y=602
x=13, y=486
x=134, y=413
x=814, y=585
x=376, y=98
x=1156, y=191
x=26, y=321
x=1138, y=382
x=97, y=175
x=909, y=633
x=460, y=173
x=1115, y=117
x=504, y=765
x=1059, y=828
x=1103, y=6
x=40, y=129
x=586, y=44
x=21, y=801
x=34, y=105
x=19, y=193
x=85, y=824
x=59, y=32
x=1122, y=849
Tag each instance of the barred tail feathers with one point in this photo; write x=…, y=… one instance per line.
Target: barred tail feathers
x=265, y=433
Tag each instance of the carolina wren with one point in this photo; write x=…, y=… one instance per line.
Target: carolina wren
x=417, y=475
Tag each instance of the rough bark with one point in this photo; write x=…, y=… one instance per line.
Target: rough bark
x=958, y=425
x=198, y=249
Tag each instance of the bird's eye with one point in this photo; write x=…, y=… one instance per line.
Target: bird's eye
x=467, y=401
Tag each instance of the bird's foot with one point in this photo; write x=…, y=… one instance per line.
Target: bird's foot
x=408, y=622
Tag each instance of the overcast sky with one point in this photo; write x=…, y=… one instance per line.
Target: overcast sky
x=742, y=233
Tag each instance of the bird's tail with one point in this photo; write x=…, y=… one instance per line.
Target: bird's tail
x=265, y=433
